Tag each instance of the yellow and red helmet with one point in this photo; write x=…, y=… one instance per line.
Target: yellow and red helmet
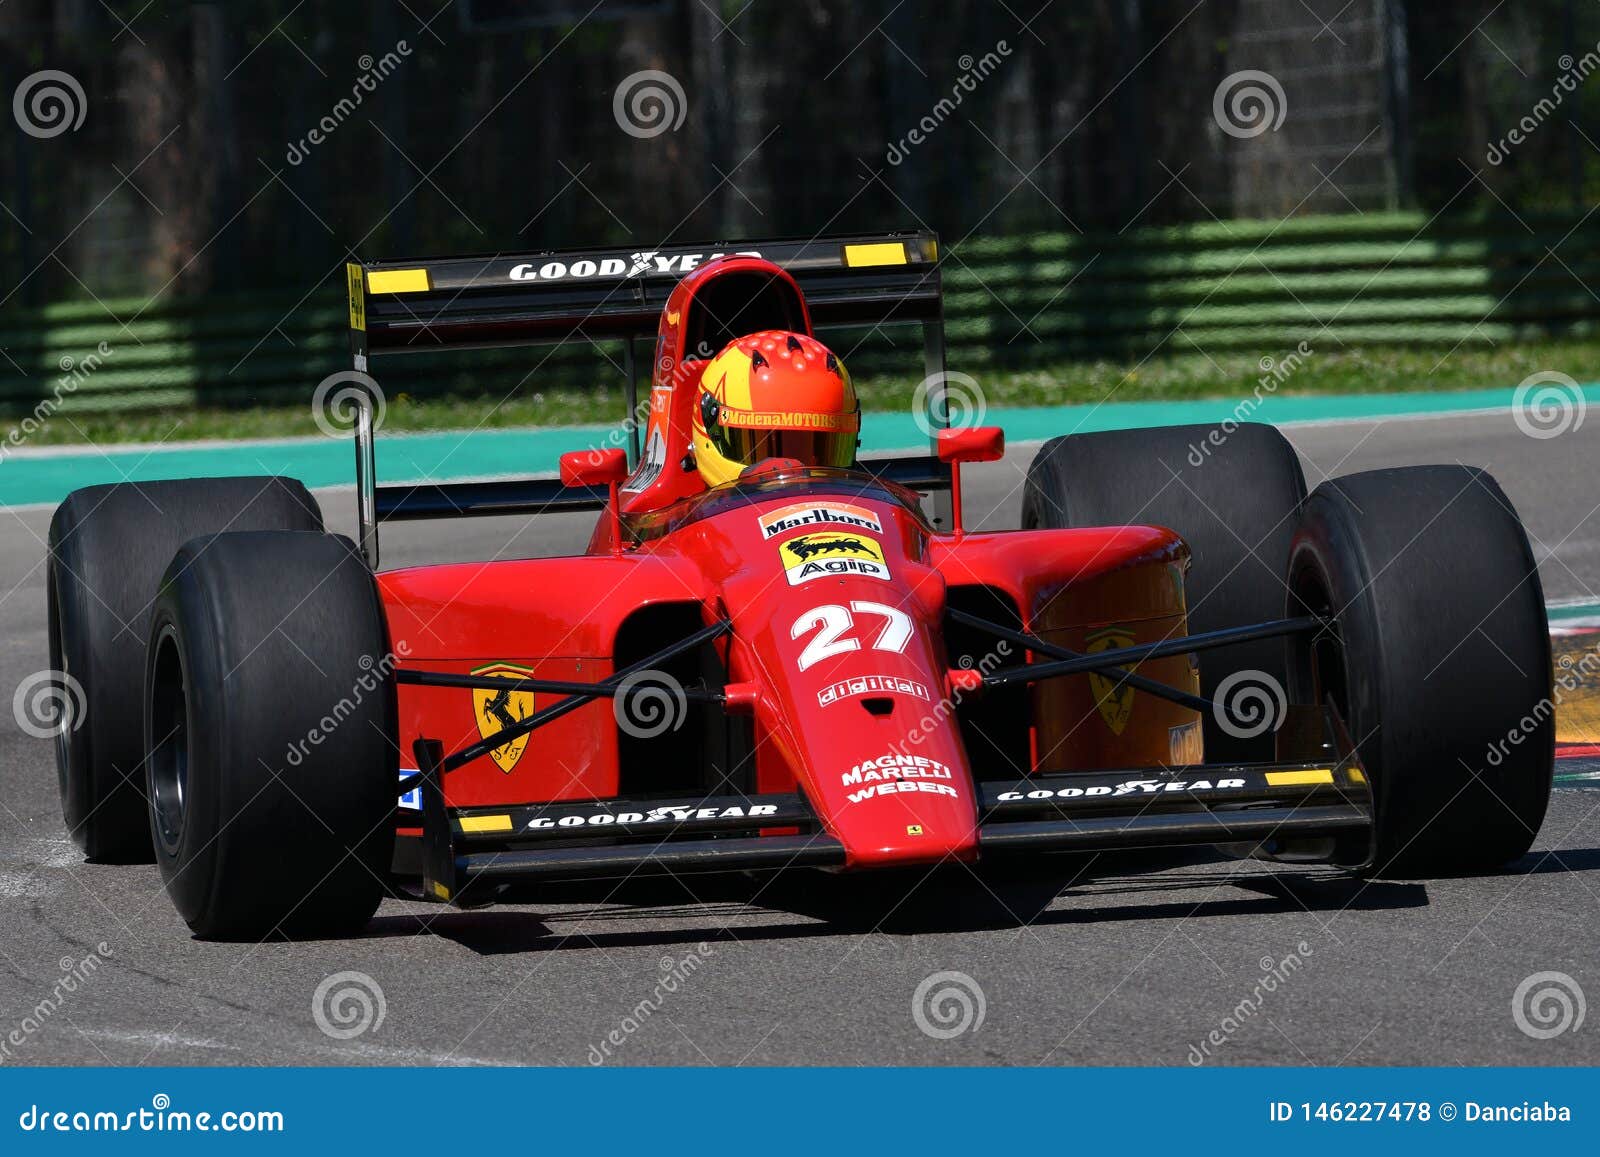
x=774, y=394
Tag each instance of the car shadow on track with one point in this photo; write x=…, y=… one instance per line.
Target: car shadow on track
x=1557, y=860
x=1093, y=890
x=951, y=898
x=1539, y=862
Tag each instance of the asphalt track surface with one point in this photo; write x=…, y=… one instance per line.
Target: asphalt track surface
x=1113, y=960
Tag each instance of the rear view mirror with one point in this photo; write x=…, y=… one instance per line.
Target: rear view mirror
x=972, y=444
x=599, y=468
x=593, y=467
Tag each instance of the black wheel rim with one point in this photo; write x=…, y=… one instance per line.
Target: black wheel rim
x=169, y=733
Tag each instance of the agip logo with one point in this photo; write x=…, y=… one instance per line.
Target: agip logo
x=835, y=553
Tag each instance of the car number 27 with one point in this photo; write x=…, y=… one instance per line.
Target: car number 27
x=834, y=627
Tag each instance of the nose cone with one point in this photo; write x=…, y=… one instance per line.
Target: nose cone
x=868, y=730
x=902, y=806
x=840, y=633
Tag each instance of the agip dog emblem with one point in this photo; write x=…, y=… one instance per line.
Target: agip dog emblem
x=832, y=552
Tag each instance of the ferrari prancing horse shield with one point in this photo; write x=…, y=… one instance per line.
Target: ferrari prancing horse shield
x=1115, y=702
x=497, y=710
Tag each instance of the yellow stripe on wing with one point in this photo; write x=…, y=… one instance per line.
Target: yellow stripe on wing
x=397, y=281
x=881, y=253
x=1300, y=778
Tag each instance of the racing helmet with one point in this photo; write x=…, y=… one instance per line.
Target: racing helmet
x=774, y=394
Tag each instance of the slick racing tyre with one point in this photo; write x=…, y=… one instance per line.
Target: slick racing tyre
x=270, y=721
x=1437, y=654
x=1232, y=496
x=108, y=548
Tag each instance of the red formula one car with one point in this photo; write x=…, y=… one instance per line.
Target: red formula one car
x=801, y=661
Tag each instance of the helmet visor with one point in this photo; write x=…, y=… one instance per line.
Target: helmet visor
x=810, y=447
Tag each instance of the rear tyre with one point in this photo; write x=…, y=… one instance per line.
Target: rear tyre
x=108, y=548
x=271, y=728
x=1438, y=657
x=1231, y=496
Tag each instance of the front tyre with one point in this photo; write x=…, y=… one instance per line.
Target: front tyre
x=270, y=726
x=108, y=548
x=1232, y=496
x=1437, y=654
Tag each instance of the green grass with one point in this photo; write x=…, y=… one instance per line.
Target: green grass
x=1340, y=370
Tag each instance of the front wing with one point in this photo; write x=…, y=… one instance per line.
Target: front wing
x=1318, y=810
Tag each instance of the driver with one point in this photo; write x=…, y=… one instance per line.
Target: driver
x=774, y=394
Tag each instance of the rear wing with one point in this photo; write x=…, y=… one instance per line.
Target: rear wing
x=611, y=294
x=600, y=294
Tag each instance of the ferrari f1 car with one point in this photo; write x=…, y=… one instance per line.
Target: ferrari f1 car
x=805, y=666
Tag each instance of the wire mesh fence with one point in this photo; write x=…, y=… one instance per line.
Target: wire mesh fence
x=251, y=146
